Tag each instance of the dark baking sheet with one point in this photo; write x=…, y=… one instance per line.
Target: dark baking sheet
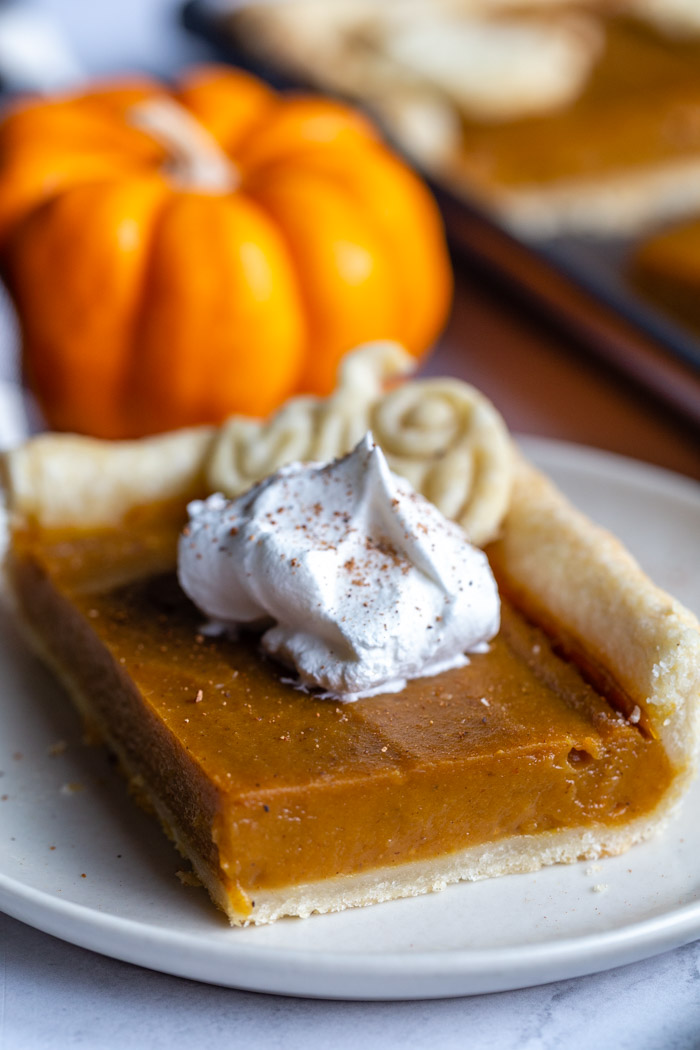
x=578, y=283
x=601, y=265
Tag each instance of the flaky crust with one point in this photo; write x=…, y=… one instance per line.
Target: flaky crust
x=68, y=481
x=443, y=435
x=511, y=856
x=578, y=577
x=569, y=575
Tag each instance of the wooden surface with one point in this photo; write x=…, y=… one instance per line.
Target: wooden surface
x=545, y=385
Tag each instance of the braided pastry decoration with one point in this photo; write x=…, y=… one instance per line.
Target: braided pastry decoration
x=442, y=435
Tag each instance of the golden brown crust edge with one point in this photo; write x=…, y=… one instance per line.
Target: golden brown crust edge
x=66, y=480
x=582, y=578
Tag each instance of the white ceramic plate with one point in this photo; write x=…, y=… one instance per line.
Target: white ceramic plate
x=79, y=860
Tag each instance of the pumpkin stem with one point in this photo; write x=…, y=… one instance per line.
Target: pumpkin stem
x=196, y=160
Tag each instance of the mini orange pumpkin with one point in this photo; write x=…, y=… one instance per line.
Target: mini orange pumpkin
x=176, y=257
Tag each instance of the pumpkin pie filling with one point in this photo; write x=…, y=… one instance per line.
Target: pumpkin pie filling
x=273, y=787
x=666, y=268
x=573, y=734
x=639, y=108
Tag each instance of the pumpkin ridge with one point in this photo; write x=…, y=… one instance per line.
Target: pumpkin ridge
x=229, y=103
x=76, y=389
x=171, y=382
x=306, y=166
x=329, y=334
x=281, y=139
x=421, y=309
x=124, y=395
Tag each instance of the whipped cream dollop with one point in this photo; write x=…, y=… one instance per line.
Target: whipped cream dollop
x=360, y=581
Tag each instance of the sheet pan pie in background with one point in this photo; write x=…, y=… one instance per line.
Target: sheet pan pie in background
x=665, y=267
x=573, y=737
x=557, y=116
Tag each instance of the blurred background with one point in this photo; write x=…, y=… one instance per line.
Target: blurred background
x=55, y=44
x=93, y=38
x=561, y=137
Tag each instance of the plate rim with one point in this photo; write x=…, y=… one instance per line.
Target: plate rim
x=352, y=976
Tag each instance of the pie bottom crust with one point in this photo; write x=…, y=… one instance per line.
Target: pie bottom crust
x=568, y=575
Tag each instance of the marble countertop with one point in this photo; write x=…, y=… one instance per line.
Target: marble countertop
x=55, y=994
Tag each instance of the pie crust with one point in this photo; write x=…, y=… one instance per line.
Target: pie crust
x=631, y=639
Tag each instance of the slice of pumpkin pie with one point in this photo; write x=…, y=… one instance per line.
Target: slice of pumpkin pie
x=568, y=731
